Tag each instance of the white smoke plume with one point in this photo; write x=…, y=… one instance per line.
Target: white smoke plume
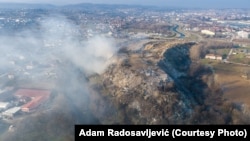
x=90, y=55
x=57, y=38
x=93, y=56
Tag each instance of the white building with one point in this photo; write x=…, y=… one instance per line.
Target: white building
x=243, y=34
x=10, y=113
x=4, y=105
x=213, y=57
x=207, y=32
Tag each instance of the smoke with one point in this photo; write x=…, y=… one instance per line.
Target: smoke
x=93, y=56
x=56, y=39
x=90, y=55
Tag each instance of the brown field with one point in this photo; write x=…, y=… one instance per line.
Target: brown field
x=236, y=88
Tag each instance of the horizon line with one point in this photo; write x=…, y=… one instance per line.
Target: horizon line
x=142, y=5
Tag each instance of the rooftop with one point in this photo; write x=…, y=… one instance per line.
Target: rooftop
x=11, y=111
x=37, y=97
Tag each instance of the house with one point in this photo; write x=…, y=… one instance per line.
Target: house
x=218, y=57
x=33, y=104
x=37, y=97
x=213, y=57
x=210, y=56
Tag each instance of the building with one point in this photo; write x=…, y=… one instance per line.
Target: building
x=37, y=97
x=208, y=32
x=243, y=34
x=213, y=57
x=10, y=113
x=33, y=104
x=4, y=105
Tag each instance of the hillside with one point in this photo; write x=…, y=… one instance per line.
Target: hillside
x=161, y=84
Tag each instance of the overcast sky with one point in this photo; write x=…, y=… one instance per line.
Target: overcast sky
x=176, y=3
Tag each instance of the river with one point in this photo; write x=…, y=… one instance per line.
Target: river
x=175, y=30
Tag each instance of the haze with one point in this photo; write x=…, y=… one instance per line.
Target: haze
x=164, y=3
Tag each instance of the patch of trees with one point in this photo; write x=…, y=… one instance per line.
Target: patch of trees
x=200, y=86
x=178, y=57
x=211, y=107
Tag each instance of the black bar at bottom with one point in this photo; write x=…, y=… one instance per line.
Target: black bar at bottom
x=169, y=132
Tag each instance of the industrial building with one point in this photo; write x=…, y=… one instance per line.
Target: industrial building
x=32, y=98
x=4, y=105
x=208, y=32
x=10, y=113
